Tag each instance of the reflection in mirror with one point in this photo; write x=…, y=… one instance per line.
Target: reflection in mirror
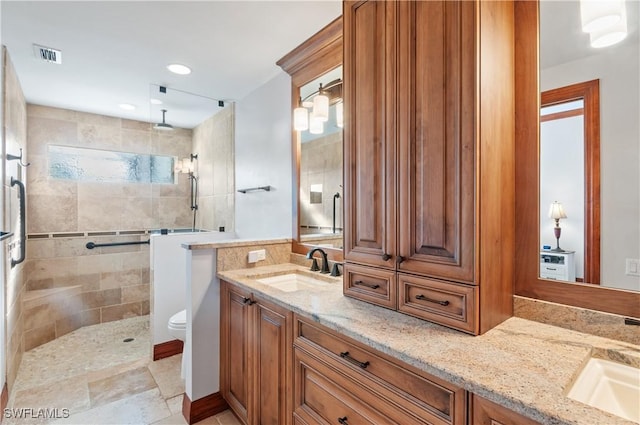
x=567, y=58
x=320, y=197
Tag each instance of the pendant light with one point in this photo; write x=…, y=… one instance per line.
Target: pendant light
x=340, y=114
x=596, y=15
x=316, y=125
x=321, y=106
x=612, y=34
x=163, y=125
x=300, y=118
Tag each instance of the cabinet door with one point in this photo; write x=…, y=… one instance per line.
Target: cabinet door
x=370, y=140
x=485, y=412
x=234, y=343
x=272, y=354
x=436, y=138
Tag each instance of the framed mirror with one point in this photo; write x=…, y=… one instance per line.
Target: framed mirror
x=537, y=72
x=316, y=70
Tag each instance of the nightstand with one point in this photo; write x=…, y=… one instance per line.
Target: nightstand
x=558, y=265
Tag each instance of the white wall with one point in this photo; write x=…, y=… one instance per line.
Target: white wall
x=169, y=270
x=618, y=68
x=561, y=166
x=263, y=157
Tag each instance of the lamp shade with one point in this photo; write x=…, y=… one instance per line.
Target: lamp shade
x=340, y=114
x=300, y=119
x=600, y=14
x=316, y=125
x=556, y=211
x=610, y=35
x=321, y=107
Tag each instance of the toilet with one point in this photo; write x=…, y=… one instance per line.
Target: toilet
x=177, y=327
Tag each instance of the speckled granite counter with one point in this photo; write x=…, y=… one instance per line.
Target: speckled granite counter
x=523, y=365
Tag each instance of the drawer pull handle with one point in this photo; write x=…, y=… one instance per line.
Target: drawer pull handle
x=386, y=257
x=550, y=268
x=431, y=300
x=345, y=355
x=248, y=301
x=343, y=421
x=368, y=285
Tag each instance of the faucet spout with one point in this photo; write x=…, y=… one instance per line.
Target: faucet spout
x=325, y=261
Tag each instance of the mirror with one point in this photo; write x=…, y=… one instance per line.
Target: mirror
x=529, y=59
x=320, y=189
x=317, y=158
x=567, y=60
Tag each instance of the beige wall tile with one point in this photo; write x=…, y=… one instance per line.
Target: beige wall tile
x=236, y=257
x=68, y=324
x=38, y=316
x=110, y=280
x=87, y=282
x=104, y=120
x=40, y=248
x=135, y=125
x=48, y=112
x=47, y=131
x=94, y=299
x=51, y=213
x=91, y=317
x=39, y=336
x=146, y=307
x=33, y=285
x=121, y=311
x=54, y=267
x=135, y=293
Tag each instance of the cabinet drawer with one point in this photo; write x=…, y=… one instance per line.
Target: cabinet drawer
x=553, y=271
x=376, y=286
x=436, y=401
x=324, y=396
x=445, y=303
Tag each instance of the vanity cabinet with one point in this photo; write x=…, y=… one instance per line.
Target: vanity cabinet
x=255, y=357
x=485, y=412
x=338, y=380
x=429, y=154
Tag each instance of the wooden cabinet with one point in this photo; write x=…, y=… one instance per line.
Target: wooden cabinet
x=336, y=378
x=485, y=412
x=429, y=151
x=255, y=357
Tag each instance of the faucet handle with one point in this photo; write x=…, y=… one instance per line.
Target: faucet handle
x=325, y=265
x=335, y=270
x=314, y=266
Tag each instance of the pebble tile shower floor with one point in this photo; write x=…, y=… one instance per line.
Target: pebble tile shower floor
x=101, y=379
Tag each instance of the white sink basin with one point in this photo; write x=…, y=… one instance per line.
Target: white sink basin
x=291, y=282
x=609, y=386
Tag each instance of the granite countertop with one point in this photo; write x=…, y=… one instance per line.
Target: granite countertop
x=525, y=366
x=227, y=243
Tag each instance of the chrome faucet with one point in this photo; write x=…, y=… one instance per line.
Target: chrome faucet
x=325, y=262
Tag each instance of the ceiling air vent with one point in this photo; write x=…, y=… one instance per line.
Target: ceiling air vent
x=47, y=54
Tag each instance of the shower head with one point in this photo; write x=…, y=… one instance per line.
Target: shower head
x=163, y=125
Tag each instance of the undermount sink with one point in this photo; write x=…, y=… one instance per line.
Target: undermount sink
x=292, y=281
x=609, y=386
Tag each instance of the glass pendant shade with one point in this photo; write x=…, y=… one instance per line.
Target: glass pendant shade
x=597, y=15
x=340, y=114
x=321, y=107
x=610, y=35
x=300, y=119
x=316, y=125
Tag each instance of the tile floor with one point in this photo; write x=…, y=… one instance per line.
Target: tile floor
x=101, y=379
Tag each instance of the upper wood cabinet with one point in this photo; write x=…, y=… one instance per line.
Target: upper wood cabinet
x=429, y=150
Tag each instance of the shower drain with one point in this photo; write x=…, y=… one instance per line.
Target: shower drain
x=127, y=340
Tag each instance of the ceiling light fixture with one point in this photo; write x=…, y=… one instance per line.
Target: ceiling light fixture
x=612, y=34
x=177, y=68
x=163, y=125
x=319, y=102
x=127, y=106
x=155, y=101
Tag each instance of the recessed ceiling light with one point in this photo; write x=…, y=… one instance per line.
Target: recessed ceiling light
x=155, y=101
x=127, y=106
x=176, y=68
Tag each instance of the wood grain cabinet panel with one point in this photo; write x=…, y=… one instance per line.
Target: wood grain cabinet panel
x=369, y=157
x=431, y=400
x=378, y=286
x=485, y=412
x=256, y=355
x=429, y=150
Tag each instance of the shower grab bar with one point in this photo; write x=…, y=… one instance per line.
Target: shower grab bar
x=91, y=245
x=23, y=230
x=253, y=189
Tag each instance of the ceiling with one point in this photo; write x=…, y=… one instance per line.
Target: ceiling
x=116, y=52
